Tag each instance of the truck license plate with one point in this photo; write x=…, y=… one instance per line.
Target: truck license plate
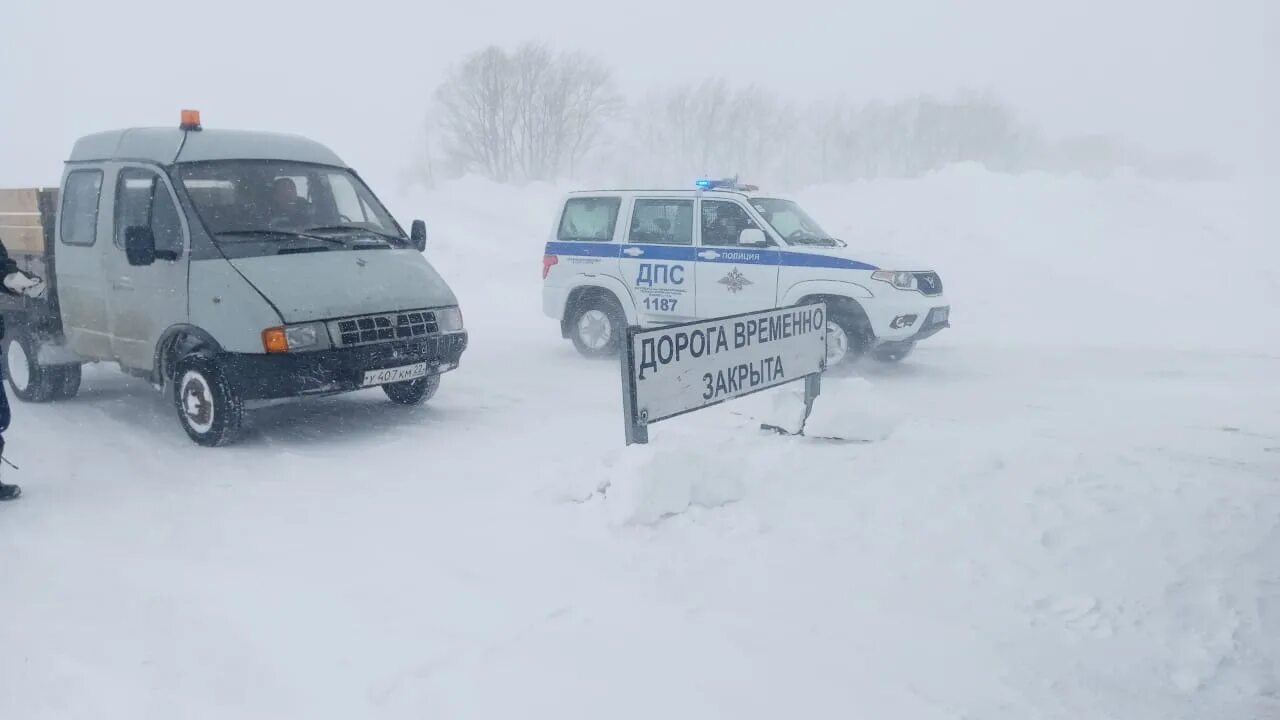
x=395, y=374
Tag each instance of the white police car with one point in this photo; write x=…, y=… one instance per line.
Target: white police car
x=653, y=257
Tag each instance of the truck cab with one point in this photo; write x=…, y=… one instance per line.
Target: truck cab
x=226, y=267
x=654, y=257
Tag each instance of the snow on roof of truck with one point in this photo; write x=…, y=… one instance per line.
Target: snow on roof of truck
x=161, y=145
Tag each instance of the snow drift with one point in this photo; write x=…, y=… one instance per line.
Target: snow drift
x=1065, y=506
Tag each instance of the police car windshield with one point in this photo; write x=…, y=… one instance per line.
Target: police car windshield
x=792, y=223
x=239, y=198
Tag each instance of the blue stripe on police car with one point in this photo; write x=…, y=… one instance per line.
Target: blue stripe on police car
x=705, y=254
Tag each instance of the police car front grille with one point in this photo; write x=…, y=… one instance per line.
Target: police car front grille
x=929, y=283
x=371, y=329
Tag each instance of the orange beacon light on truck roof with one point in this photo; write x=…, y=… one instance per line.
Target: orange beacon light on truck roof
x=190, y=120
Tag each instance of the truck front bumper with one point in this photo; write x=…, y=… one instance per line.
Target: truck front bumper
x=326, y=372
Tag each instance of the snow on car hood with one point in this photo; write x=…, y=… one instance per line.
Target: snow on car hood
x=327, y=285
x=883, y=260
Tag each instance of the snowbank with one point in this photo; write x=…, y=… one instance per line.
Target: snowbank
x=1026, y=527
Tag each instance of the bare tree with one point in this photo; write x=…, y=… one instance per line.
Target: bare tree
x=525, y=115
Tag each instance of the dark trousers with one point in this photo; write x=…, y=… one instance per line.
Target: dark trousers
x=4, y=410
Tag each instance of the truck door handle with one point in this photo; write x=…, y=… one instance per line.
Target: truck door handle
x=122, y=284
x=633, y=252
x=708, y=254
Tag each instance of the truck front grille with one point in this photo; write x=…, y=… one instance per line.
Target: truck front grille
x=371, y=329
x=929, y=283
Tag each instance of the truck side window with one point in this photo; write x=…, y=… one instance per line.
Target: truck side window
x=588, y=220
x=80, y=207
x=142, y=200
x=662, y=222
x=723, y=222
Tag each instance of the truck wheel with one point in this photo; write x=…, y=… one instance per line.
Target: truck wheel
x=29, y=380
x=66, y=381
x=597, y=327
x=208, y=407
x=414, y=392
x=893, y=354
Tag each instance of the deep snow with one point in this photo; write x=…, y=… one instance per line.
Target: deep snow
x=1067, y=506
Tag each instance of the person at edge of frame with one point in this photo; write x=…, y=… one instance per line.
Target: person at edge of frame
x=14, y=282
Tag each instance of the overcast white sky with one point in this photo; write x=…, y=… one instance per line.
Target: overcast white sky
x=1169, y=74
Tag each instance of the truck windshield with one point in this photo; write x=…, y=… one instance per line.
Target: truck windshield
x=792, y=223
x=243, y=201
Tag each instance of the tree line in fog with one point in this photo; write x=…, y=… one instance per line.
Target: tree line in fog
x=532, y=114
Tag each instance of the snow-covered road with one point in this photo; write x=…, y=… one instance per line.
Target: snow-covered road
x=1033, y=529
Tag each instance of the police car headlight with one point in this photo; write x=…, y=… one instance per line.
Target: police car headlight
x=449, y=319
x=900, y=280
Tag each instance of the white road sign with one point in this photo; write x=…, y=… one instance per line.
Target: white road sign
x=672, y=370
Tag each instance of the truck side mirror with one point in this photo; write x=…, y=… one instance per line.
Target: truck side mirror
x=752, y=237
x=418, y=235
x=139, y=245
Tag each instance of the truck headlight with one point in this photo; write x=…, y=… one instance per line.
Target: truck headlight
x=449, y=319
x=301, y=336
x=293, y=337
x=898, y=279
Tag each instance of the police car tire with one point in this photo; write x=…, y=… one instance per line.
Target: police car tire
x=892, y=355
x=414, y=392
x=208, y=380
x=32, y=382
x=855, y=333
x=617, y=326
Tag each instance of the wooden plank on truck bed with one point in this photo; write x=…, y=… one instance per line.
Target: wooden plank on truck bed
x=21, y=223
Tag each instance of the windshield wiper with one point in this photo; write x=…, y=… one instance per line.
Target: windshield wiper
x=281, y=233
x=358, y=229
x=817, y=240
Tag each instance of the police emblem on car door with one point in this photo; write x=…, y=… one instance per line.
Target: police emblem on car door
x=735, y=281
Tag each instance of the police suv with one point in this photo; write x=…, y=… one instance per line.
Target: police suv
x=655, y=257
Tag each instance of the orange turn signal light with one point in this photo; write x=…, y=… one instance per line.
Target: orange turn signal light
x=274, y=340
x=190, y=120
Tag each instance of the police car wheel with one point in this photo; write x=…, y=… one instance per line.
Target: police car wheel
x=894, y=354
x=208, y=407
x=414, y=392
x=843, y=342
x=597, y=329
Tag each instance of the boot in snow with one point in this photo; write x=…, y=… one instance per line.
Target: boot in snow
x=9, y=492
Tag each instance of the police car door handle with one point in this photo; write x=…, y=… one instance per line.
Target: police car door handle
x=123, y=283
x=633, y=252
x=708, y=254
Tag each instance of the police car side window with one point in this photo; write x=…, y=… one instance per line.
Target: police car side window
x=662, y=222
x=588, y=220
x=723, y=222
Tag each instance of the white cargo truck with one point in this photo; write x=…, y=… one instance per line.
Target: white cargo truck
x=225, y=267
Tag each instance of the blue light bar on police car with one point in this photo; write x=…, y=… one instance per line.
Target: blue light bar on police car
x=725, y=184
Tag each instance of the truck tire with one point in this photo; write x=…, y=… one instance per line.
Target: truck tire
x=28, y=379
x=597, y=326
x=208, y=407
x=414, y=392
x=66, y=381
